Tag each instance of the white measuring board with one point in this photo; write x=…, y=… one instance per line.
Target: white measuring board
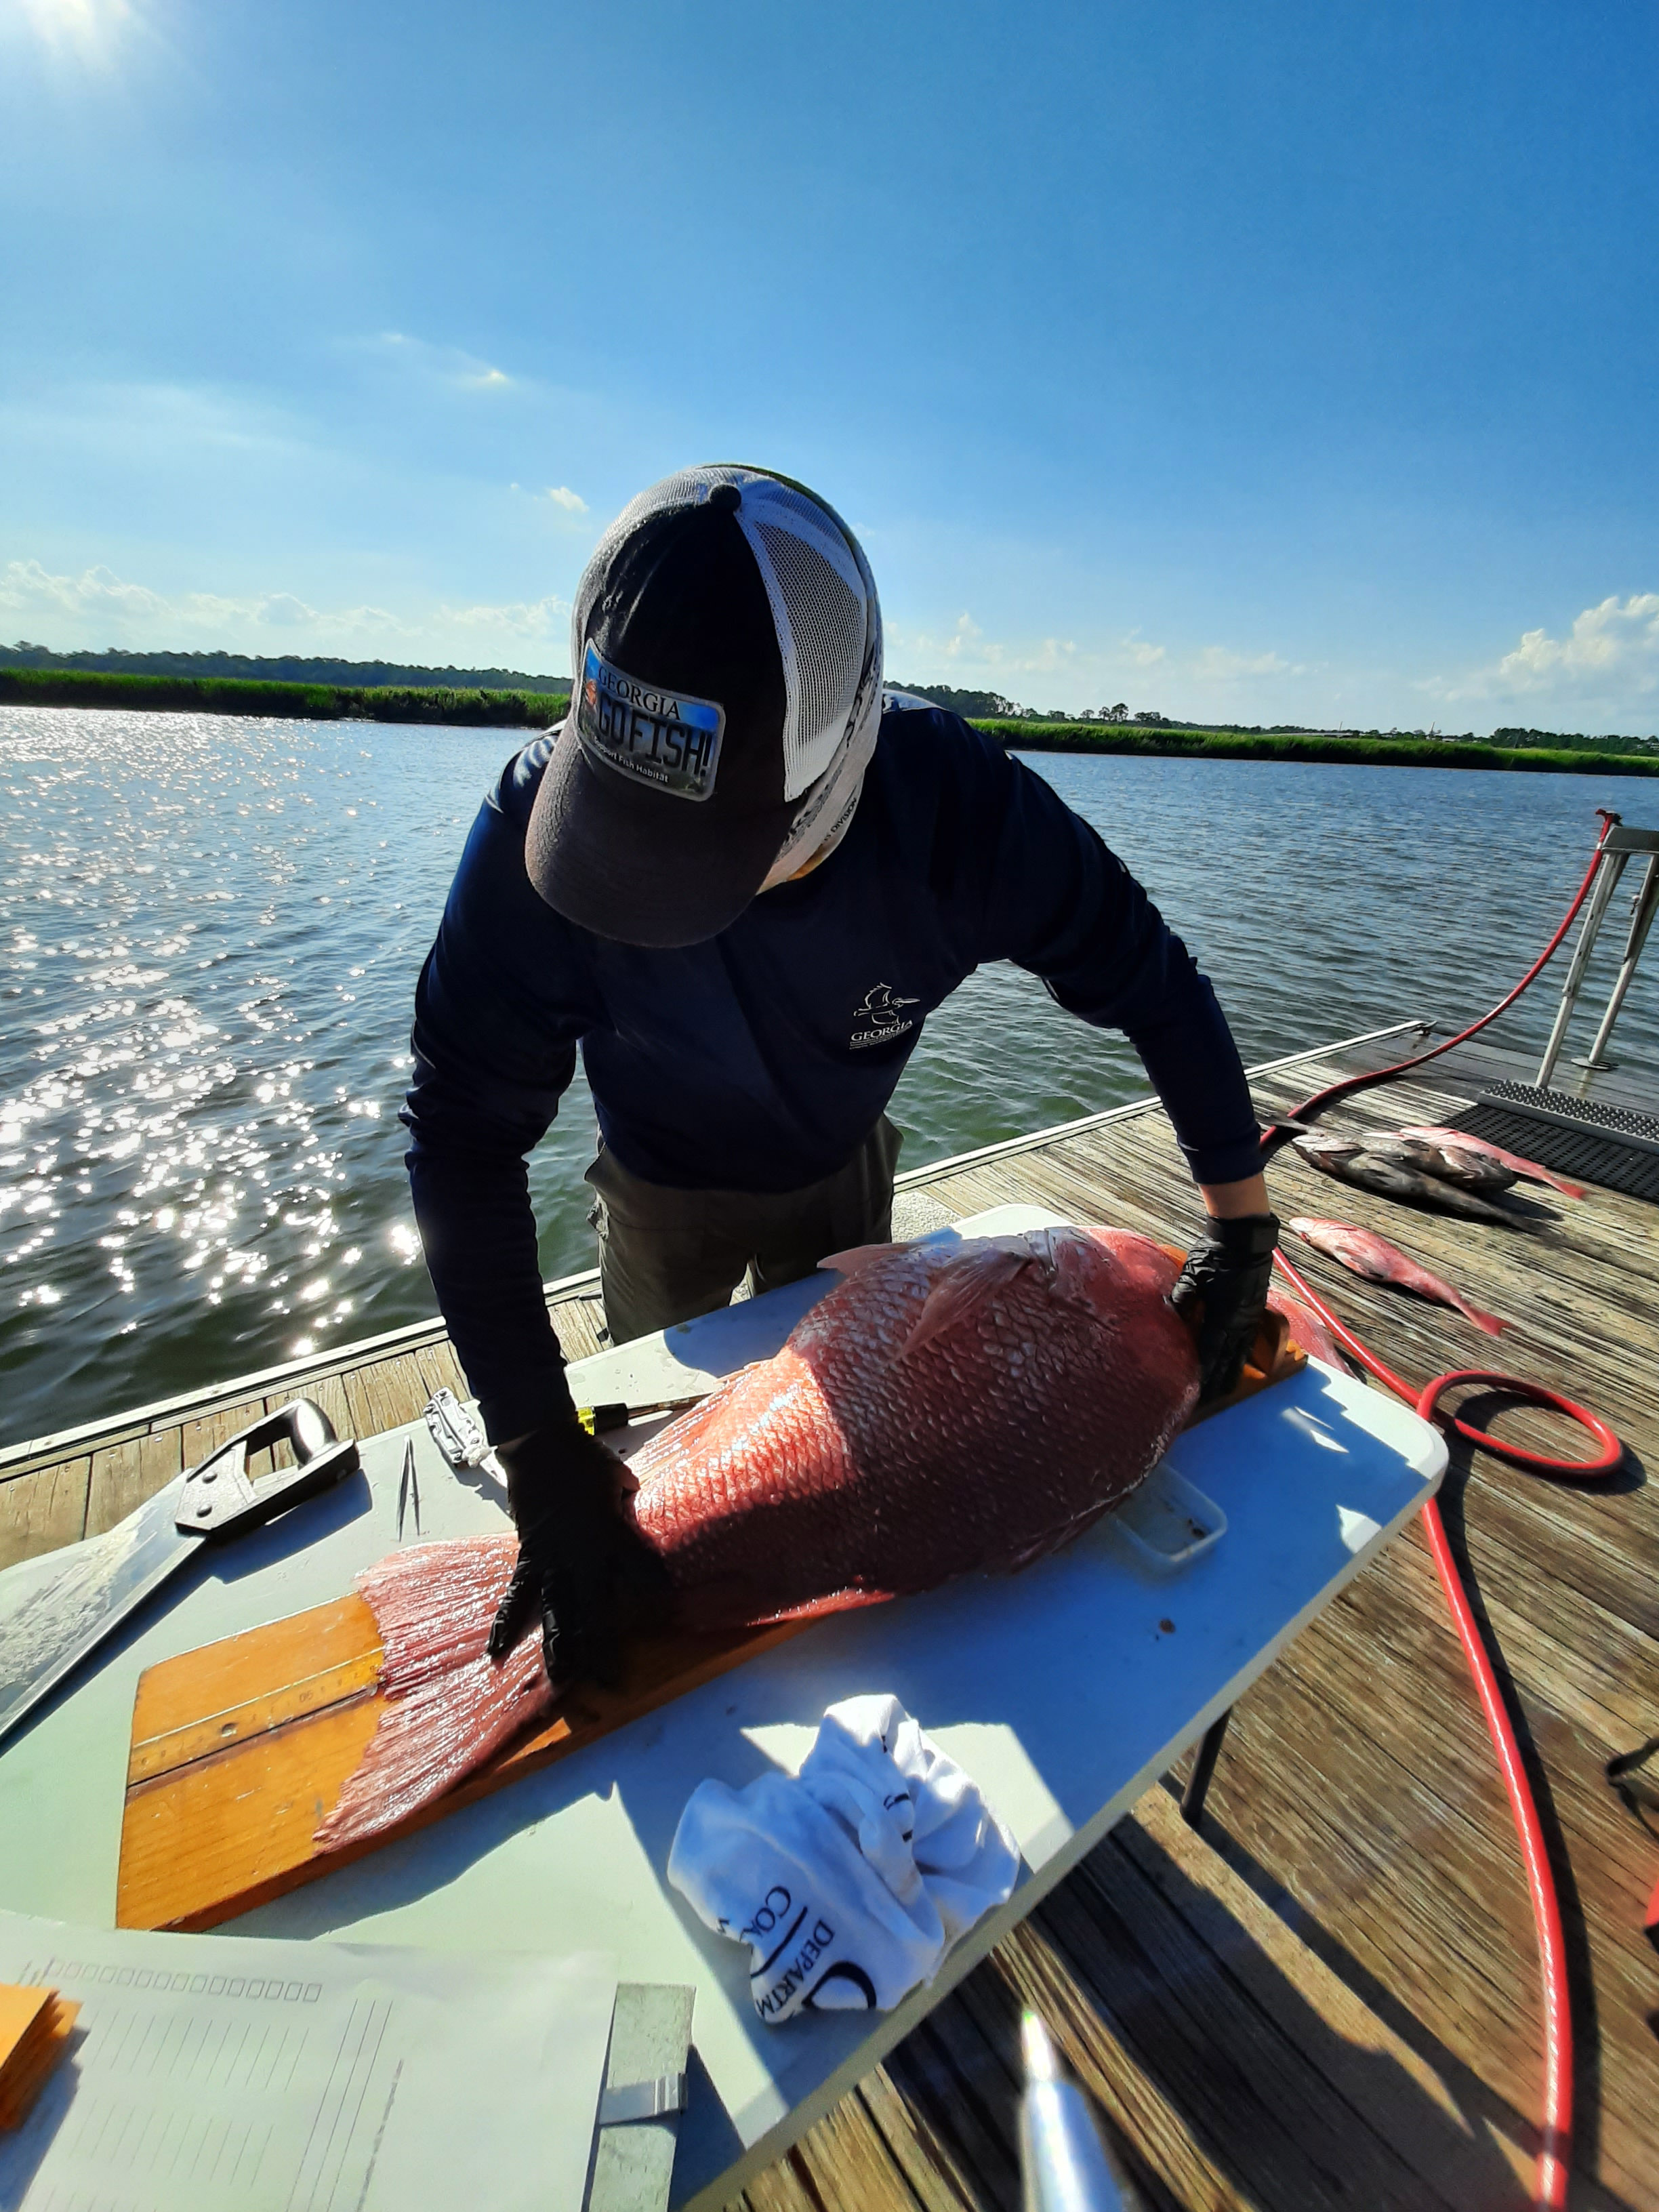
x=1064, y=1690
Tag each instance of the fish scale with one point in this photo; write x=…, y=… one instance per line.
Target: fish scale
x=858, y=1464
x=946, y=1409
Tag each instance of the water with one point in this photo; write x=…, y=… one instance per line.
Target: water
x=210, y=934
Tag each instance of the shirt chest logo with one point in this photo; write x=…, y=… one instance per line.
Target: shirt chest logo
x=878, y=1018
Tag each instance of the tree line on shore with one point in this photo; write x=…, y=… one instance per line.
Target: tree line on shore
x=283, y=668
x=991, y=706
x=513, y=708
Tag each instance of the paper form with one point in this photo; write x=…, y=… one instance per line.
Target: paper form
x=208, y=2072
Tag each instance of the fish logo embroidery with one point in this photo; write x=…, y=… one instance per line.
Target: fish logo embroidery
x=876, y=1019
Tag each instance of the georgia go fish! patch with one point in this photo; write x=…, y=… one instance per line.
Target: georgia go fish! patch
x=660, y=738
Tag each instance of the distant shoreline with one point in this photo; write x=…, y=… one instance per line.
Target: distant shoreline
x=1166, y=744
x=300, y=703
x=540, y=710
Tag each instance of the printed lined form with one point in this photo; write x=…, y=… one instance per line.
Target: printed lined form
x=303, y=2077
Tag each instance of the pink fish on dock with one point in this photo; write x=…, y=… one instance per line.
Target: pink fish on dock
x=1512, y=1161
x=1307, y=1329
x=1362, y=1252
x=946, y=1409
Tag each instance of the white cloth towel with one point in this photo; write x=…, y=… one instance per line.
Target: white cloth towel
x=850, y=1881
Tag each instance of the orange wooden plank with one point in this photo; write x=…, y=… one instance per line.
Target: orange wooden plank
x=213, y=1825
x=229, y=1831
x=258, y=1681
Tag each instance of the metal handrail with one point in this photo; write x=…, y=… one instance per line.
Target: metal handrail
x=1622, y=846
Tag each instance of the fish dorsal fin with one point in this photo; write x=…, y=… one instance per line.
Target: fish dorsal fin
x=857, y=1257
x=961, y=1289
x=1075, y=1263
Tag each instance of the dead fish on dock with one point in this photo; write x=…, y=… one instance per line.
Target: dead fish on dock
x=1372, y=1167
x=1307, y=1330
x=949, y=1409
x=1363, y=1252
x=1440, y=1157
x=1512, y=1161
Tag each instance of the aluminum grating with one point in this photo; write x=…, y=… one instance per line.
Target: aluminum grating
x=1611, y=1145
x=1589, y=1113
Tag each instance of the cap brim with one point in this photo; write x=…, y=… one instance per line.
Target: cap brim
x=642, y=867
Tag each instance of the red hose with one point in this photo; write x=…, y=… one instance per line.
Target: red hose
x=1555, y=2150
x=1555, y=2147
x=1277, y=1134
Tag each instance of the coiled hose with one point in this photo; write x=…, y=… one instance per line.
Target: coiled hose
x=1555, y=2145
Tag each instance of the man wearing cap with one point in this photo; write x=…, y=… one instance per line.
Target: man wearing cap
x=738, y=878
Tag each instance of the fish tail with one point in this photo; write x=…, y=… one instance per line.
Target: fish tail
x=1559, y=1182
x=1482, y=1320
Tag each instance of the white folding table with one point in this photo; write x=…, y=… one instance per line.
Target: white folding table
x=1064, y=1690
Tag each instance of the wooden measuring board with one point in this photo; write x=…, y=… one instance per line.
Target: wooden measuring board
x=241, y=1750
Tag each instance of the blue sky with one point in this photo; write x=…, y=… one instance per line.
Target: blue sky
x=1287, y=363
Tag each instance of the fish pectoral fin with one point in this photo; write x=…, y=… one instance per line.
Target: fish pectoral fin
x=840, y=1601
x=959, y=1290
x=718, y=1607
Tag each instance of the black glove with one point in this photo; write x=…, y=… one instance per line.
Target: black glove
x=562, y=1484
x=1222, y=1294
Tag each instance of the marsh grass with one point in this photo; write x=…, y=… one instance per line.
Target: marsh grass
x=310, y=702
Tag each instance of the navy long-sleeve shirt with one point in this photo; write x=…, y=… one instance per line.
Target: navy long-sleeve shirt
x=761, y=1059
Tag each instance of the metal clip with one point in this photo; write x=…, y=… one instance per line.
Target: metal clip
x=642, y=2100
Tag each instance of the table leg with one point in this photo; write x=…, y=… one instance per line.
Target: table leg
x=1198, y=1782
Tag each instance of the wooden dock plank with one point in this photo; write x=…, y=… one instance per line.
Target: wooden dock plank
x=1439, y=2129
x=441, y=1370
x=938, y=2178
x=1359, y=1934
x=40, y=1511
x=119, y=1483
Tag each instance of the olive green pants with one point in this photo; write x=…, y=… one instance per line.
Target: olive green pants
x=665, y=1256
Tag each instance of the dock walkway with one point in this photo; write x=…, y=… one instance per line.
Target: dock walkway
x=1330, y=1998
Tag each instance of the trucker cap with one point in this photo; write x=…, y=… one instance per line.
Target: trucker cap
x=725, y=656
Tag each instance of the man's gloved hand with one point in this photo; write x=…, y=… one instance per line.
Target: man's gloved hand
x=1222, y=1293
x=562, y=1484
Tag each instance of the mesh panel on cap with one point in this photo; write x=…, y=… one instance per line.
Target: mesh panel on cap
x=827, y=624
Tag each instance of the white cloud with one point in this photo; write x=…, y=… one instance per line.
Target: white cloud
x=1137, y=650
x=547, y=618
x=25, y=587
x=572, y=502
x=1217, y=664
x=965, y=647
x=1612, y=638
x=97, y=608
x=1607, y=662
x=444, y=364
